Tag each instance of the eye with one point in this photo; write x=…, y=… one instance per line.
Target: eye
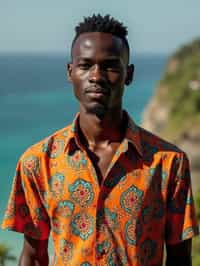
x=84, y=66
x=113, y=67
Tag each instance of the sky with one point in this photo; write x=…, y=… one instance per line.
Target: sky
x=156, y=26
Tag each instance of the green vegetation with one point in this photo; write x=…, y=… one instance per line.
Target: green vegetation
x=180, y=90
x=196, y=251
x=197, y=204
x=188, y=50
x=5, y=255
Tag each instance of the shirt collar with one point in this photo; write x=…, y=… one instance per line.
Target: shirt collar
x=73, y=131
x=132, y=134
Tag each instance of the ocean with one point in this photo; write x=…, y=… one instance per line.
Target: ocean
x=36, y=100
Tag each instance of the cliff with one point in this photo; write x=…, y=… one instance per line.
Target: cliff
x=174, y=111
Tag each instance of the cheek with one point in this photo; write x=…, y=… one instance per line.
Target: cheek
x=79, y=83
x=116, y=78
x=79, y=78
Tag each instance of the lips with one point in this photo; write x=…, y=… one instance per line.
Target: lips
x=97, y=91
x=97, y=95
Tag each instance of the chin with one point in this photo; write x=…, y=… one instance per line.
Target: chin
x=98, y=110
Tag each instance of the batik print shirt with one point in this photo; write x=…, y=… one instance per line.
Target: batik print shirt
x=144, y=201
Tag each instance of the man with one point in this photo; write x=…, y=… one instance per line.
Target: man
x=110, y=192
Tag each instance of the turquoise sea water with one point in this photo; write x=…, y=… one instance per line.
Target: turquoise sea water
x=36, y=100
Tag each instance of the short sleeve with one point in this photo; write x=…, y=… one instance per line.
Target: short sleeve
x=181, y=222
x=25, y=211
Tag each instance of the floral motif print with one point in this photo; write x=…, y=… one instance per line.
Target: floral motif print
x=107, y=218
x=188, y=232
x=56, y=184
x=103, y=248
x=82, y=225
x=31, y=166
x=86, y=264
x=53, y=147
x=77, y=159
x=117, y=257
x=131, y=200
x=66, y=251
x=65, y=209
x=133, y=231
x=81, y=192
x=40, y=214
x=111, y=219
x=56, y=226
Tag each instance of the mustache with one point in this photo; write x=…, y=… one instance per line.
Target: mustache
x=98, y=89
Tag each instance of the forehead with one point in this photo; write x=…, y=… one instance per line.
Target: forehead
x=98, y=44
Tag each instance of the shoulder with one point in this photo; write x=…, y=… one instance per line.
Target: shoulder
x=154, y=145
x=51, y=145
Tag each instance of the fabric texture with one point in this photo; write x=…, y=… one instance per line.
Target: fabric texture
x=144, y=200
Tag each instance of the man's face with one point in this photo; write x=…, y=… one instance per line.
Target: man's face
x=98, y=71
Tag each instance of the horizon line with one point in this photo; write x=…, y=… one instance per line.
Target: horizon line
x=42, y=52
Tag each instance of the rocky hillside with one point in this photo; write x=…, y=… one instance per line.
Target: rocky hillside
x=174, y=110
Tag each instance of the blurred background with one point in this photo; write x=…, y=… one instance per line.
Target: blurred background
x=36, y=99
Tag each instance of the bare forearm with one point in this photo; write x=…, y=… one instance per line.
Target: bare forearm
x=31, y=261
x=26, y=260
x=34, y=253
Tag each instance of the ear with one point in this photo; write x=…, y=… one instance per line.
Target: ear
x=129, y=74
x=69, y=72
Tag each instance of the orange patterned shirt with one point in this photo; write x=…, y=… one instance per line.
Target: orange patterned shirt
x=144, y=201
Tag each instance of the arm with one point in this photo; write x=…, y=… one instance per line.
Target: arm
x=181, y=222
x=179, y=254
x=34, y=253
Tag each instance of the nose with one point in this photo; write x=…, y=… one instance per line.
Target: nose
x=96, y=74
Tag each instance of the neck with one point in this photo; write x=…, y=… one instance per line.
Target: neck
x=100, y=132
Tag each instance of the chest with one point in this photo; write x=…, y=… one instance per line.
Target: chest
x=101, y=159
x=74, y=197
x=126, y=192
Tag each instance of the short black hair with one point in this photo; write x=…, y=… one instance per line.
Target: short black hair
x=99, y=23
